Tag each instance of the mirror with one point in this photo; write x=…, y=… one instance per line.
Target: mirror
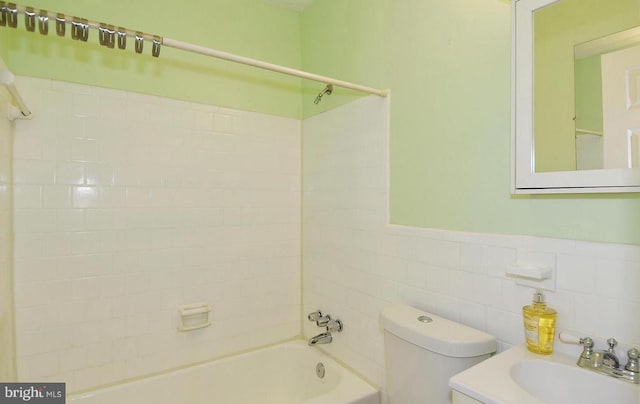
x=576, y=99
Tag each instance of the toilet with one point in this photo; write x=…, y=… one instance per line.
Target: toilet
x=422, y=351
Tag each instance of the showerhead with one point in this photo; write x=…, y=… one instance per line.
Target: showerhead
x=327, y=91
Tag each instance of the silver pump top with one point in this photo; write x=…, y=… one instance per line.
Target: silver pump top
x=538, y=297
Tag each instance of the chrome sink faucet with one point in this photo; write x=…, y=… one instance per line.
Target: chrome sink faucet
x=606, y=362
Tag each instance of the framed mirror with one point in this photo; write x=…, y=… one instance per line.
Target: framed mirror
x=576, y=96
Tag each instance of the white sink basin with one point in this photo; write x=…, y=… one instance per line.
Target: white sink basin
x=554, y=382
x=517, y=376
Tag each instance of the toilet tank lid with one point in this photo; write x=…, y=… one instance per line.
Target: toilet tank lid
x=440, y=335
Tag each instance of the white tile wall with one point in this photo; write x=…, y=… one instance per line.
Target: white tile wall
x=7, y=351
x=127, y=206
x=355, y=264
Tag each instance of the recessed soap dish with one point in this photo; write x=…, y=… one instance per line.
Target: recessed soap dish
x=194, y=317
x=539, y=277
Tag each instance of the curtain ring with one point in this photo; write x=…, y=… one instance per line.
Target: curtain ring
x=80, y=29
x=139, y=42
x=85, y=30
x=3, y=14
x=12, y=15
x=61, y=24
x=30, y=19
x=43, y=22
x=122, y=38
x=111, y=36
x=102, y=34
x=157, y=42
x=75, y=29
x=106, y=35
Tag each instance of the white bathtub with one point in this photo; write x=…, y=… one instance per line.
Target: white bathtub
x=281, y=374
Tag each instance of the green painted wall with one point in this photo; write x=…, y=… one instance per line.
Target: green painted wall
x=588, y=78
x=558, y=28
x=250, y=28
x=447, y=63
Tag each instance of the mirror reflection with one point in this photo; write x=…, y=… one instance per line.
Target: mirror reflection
x=587, y=85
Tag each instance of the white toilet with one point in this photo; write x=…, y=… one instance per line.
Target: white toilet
x=422, y=351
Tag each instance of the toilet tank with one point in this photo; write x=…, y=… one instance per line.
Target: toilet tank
x=422, y=351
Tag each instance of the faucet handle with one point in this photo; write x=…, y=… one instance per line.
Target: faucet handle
x=323, y=321
x=587, y=353
x=334, y=326
x=586, y=342
x=612, y=344
x=314, y=316
x=632, y=364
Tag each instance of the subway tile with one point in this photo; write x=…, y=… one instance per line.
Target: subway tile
x=28, y=146
x=83, y=243
x=34, y=220
x=84, y=150
x=67, y=220
x=73, y=359
x=56, y=244
x=27, y=245
x=56, y=196
x=43, y=365
x=70, y=173
x=576, y=273
x=33, y=172
x=618, y=279
x=27, y=196
x=99, y=174
x=588, y=308
x=85, y=197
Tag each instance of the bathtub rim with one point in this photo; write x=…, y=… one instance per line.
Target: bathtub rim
x=298, y=340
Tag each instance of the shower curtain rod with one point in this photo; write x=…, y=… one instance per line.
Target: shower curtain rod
x=110, y=35
x=8, y=80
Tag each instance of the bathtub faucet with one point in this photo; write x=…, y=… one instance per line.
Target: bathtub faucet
x=324, y=338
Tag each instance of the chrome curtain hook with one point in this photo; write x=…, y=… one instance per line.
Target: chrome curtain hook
x=157, y=42
x=12, y=15
x=139, y=45
x=122, y=38
x=43, y=22
x=102, y=34
x=61, y=24
x=111, y=36
x=3, y=14
x=30, y=19
x=80, y=29
x=75, y=29
x=106, y=35
x=84, y=30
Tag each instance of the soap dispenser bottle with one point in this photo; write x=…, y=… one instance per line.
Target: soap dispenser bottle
x=539, y=325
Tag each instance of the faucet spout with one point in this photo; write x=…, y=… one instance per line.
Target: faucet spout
x=324, y=338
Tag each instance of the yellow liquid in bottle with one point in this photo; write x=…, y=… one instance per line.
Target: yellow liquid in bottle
x=540, y=327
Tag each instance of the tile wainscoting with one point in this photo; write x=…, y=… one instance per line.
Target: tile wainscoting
x=354, y=263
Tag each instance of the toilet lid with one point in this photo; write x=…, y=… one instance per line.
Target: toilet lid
x=436, y=333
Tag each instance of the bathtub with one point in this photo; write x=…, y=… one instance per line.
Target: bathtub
x=280, y=374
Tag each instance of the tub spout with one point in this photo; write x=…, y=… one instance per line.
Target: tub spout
x=324, y=338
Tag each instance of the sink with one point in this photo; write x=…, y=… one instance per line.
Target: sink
x=517, y=376
x=554, y=382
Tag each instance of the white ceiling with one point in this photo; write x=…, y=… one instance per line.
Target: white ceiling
x=297, y=5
